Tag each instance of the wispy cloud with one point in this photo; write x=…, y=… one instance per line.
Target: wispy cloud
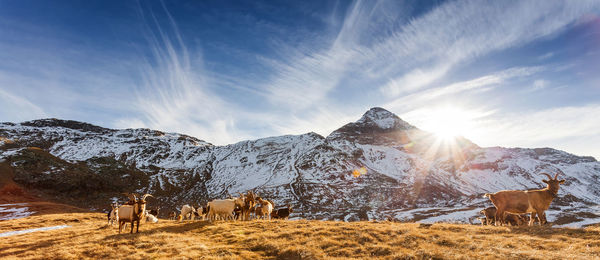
x=16, y=108
x=558, y=126
x=304, y=77
x=175, y=94
x=414, y=80
x=460, y=31
x=413, y=55
x=307, y=75
x=548, y=55
x=487, y=82
x=304, y=81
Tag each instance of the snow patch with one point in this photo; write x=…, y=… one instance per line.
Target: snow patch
x=462, y=216
x=14, y=211
x=10, y=152
x=20, y=232
x=580, y=224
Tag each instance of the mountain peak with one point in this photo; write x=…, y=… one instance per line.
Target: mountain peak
x=383, y=119
x=376, y=126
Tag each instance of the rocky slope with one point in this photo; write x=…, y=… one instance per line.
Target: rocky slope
x=410, y=174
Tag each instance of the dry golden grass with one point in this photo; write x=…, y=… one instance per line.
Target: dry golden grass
x=90, y=237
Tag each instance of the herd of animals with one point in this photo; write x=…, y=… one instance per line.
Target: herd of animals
x=510, y=208
x=245, y=207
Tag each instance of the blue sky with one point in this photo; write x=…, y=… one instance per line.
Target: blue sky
x=501, y=73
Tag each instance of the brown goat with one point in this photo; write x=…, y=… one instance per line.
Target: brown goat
x=535, y=202
x=490, y=215
x=258, y=212
x=514, y=219
x=133, y=213
x=248, y=208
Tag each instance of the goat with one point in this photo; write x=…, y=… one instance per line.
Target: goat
x=265, y=209
x=172, y=215
x=490, y=214
x=258, y=212
x=248, y=207
x=282, y=213
x=223, y=208
x=237, y=213
x=202, y=212
x=133, y=213
x=514, y=219
x=535, y=202
x=151, y=218
x=113, y=215
x=187, y=212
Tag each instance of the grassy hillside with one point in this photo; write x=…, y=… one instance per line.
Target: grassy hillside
x=90, y=237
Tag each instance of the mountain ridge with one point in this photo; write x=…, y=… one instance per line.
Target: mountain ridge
x=404, y=180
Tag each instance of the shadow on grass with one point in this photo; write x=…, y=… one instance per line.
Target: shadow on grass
x=542, y=231
x=27, y=247
x=174, y=227
x=548, y=231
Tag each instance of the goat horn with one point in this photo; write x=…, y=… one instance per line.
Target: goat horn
x=549, y=177
x=131, y=196
x=556, y=176
x=146, y=195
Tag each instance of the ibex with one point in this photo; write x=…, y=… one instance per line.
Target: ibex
x=531, y=201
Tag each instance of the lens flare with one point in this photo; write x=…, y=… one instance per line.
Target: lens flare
x=358, y=172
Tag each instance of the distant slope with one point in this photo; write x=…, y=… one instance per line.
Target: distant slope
x=411, y=175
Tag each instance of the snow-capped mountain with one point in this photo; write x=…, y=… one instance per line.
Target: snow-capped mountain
x=410, y=174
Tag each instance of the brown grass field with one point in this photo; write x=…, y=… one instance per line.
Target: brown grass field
x=90, y=237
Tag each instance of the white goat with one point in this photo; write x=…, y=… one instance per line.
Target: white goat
x=223, y=208
x=151, y=218
x=187, y=212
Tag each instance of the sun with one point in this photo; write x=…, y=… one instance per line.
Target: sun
x=449, y=122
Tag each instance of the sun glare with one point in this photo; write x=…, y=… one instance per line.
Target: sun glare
x=450, y=122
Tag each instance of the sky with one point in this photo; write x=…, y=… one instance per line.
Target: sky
x=500, y=73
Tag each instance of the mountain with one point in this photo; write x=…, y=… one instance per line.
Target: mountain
x=410, y=174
